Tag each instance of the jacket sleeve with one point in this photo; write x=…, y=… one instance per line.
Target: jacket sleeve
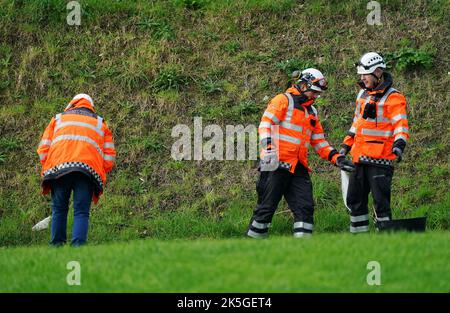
x=273, y=115
x=46, y=141
x=398, y=116
x=109, y=151
x=321, y=145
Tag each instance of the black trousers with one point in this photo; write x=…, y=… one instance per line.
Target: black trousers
x=297, y=190
x=369, y=178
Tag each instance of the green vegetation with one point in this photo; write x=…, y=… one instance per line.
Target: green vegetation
x=323, y=263
x=152, y=65
x=410, y=59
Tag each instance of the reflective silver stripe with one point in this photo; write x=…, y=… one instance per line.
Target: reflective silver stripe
x=291, y=126
x=253, y=234
x=81, y=124
x=321, y=145
x=358, y=104
x=359, y=218
x=301, y=234
x=260, y=225
x=358, y=110
x=352, y=130
x=264, y=136
x=379, y=120
x=272, y=117
x=355, y=119
x=290, y=109
x=360, y=93
x=314, y=110
x=45, y=142
x=80, y=138
x=359, y=229
x=304, y=225
x=308, y=132
x=400, y=137
x=42, y=156
x=381, y=219
x=109, y=145
x=58, y=119
x=108, y=157
x=401, y=130
x=306, y=144
x=380, y=105
x=264, y=125
x=399, y=117
x=318, y=136
x=290, y=139
x=99, y=122
x=378, y=133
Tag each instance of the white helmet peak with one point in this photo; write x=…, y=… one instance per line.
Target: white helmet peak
x=83, y=96
x=313, y=78
x=369, y=62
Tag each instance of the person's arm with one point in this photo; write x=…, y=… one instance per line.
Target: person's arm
x=46, y=141
x=273, y=115
x=321, y=145
x=109, y=151
x=399, y=120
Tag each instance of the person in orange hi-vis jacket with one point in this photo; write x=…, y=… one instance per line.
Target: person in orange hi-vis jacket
x=289, y=125
x=376, y=139
x=76, y=152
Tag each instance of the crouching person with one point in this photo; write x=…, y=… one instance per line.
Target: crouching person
x=76, y=152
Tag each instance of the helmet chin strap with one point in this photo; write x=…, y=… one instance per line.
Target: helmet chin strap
x=378, y=78
x=300, y=88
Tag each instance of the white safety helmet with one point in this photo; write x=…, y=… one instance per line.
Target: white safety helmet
x=83, y=96
x=369, y=62
x=313, y=78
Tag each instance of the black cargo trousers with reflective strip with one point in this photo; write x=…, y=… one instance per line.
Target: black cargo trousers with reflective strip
x=369, y=178
x=297, y=190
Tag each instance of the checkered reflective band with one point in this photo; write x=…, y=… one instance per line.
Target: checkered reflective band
x=285, y=165
x=68, y=165
x=369, y=160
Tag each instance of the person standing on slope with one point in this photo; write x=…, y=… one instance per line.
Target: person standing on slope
x=76, y=152
x=376, y=138
x=288, y=127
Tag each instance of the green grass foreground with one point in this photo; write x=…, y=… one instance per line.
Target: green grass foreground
x=322, y=263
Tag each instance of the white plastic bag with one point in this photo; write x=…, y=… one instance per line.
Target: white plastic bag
x=42, y=224
x=345, y=177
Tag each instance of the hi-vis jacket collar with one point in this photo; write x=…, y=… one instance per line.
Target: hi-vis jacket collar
x=80, y=103
x=294, y=91
x=382, y=87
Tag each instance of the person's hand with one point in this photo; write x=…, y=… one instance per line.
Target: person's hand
x=398, y=152
x=344, y=164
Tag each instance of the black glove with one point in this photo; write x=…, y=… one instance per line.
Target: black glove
x=344, y=164
x=345, y=149
x=398, y=152
x=369, y=111
x=398, y=148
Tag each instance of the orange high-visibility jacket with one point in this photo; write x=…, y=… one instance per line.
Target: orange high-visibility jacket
x=77, y=140
x=298, y=128
x=371, y=138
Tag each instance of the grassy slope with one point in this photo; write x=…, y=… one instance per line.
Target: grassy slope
x=324, y=263
x=150, y=66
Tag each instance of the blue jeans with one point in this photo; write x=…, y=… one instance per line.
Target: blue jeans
x=82, y=196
